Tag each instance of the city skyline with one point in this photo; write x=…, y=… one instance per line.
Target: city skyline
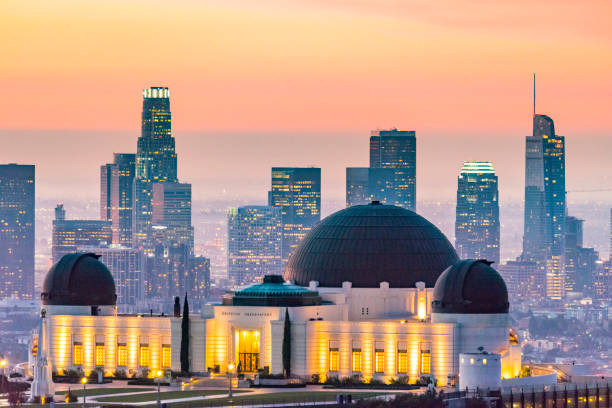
x=228, y=99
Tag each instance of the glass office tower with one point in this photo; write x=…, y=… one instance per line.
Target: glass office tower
x=477, y=216
x=296, y=191
x=17, y=230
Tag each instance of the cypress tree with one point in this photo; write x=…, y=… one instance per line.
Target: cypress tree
x=287, y=345
x=185, y=338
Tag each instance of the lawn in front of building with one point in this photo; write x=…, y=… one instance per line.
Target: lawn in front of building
x=103, y=391
x=166, y=395
x=268, y=398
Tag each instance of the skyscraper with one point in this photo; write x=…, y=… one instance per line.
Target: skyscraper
x=17, y=230
x=172, y=209
x=391, y=177
x=357, y=191
x=116, y=190
x=155, y=159
x=477, y=217
x=297, y=193
x=69, y=235
x=126, y=266
x=396, y=149
x=254, y=243
x=580, y=262
x=545, y=206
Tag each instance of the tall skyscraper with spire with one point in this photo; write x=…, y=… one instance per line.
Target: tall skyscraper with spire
x=545, y=204
x=155, y=159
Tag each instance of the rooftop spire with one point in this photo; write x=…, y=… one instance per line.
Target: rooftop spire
x=534, y=95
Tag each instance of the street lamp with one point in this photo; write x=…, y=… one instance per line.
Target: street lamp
x=84, y=381
x=3, y=364
x=158, y=374
x=230, y=367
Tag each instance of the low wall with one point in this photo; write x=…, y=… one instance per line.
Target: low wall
x=534, y=381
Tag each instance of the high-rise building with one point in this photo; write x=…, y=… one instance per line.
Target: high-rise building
x=116, y=189
x=357, y=191
x=17, y=230
x=391, y=177
x=126, y=266
x=477, y=217
x=172, y=210
x=254, y=243
x=545, y=205
x=70, y=235
x=395, y=149
x=524, y=280
x=156, y=160
x=199, y=287
x=297, y=193
x=580, y=262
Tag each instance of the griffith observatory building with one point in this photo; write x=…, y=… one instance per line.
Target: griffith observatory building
x=375, y=291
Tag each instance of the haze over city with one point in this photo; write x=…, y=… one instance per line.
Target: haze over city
x=335, y=202
x=262, y=83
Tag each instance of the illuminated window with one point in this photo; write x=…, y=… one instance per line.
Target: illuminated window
x=334, y=359
x=402, y=358
x=144, y=355
x=99, y=354
x=379, y=360
x=484, y=361
x=121, y=355
x=425, y=359
x=356, y=360
x=77, y=354
x=166, y=356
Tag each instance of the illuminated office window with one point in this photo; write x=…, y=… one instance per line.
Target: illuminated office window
x=402, y=358
x=144, y=355
x=77, y=354
x=425, y=359
x=166, y=356
x=122, y=355
x=379, y=357
x=99, y=354
x=356, y=357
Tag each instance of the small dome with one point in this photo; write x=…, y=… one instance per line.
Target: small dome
x=79, y=279
x=273, y=291
x=370, y=244
x=470, y=286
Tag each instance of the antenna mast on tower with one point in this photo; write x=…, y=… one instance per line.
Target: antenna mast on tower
x=534, y=96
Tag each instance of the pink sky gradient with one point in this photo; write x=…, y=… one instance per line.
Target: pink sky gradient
x=303, y=82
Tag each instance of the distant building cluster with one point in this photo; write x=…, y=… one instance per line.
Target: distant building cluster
x=391, y=177
x=146, y=238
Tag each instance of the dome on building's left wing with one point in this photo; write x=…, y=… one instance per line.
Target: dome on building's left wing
x=470, y=286
x=79, y=279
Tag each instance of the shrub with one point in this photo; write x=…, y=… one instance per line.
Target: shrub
x=69, y=396
x=332, y=380
x=352, y=380
x=401, y=380
x=376, y=381
x=315, y=378
x=120, y=374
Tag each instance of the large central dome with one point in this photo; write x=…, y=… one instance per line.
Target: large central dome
x=369, y=244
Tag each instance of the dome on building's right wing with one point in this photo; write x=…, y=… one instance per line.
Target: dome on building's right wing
x=79, y=279
x=470, y=286
x=370, y=244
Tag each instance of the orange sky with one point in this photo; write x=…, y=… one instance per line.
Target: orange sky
x=456, y=71
x=325, y=65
